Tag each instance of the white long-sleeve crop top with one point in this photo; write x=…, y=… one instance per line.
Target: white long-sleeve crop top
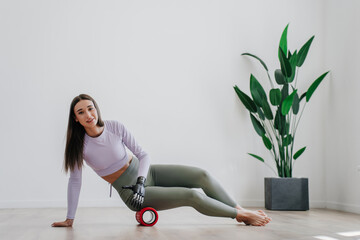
x=105, y=154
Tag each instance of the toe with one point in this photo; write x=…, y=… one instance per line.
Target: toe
x=263, y=213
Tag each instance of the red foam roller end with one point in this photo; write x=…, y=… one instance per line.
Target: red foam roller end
x=145, y=222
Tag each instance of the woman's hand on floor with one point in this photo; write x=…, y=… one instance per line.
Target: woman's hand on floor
x=66, y=223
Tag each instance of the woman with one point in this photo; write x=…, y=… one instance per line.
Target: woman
x=102, y=145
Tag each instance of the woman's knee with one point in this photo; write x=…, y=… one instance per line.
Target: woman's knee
x=204, y=177
x=194, y=196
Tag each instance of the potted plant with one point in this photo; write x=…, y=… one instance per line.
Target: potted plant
x=276, y=120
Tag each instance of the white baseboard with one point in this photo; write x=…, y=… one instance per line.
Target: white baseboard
x=313, y=204
x=353, y=208
x=261, y=203
x=317, y=204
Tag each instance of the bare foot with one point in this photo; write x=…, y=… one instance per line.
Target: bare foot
x=66, y=223
x=262, y=213
x=254, y=218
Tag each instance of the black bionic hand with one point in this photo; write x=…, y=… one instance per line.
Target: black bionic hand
x=139, y=192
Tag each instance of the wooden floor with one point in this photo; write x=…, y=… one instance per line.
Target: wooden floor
x=181, y=223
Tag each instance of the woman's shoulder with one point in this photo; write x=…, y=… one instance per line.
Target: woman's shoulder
x=112, y=123
x=113, y=126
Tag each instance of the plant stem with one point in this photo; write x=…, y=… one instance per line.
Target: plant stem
x=282, y=158
x=272, y=85
x=263, y=122
x=293, y=140
x=293, y=129
x=272, y=126
x=300, y=117
x=287, y=145
x=292, y=150
x=296, y=129
x=296, y=77
x=293, y=164
x=277, y=139
x=270, y=168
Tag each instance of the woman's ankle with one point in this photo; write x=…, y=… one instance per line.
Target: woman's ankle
x=239, y=207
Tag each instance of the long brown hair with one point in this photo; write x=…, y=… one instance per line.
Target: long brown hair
x=75, y=135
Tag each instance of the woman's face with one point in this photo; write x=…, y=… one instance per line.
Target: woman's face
x=86, y=114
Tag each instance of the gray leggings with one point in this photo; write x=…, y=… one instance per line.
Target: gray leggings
x=169, y=186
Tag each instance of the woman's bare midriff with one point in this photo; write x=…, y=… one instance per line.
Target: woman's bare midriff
x=112, y=177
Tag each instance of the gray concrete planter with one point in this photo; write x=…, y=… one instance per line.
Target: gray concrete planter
x=288, y=194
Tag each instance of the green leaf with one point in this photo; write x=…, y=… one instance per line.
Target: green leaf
x=257, y=157
x=257, y=125
x=257, y=91
x=283, y=41
x=296, y=104
x=314, y=85
x=267, y=142
x=261, y=61
x=260, y=113
x=303, y=52
x=275, y=96
x=287, y=140
x=284, y=92
x=298, y=153
x=293, y=61
x=279, y=77
x=280, y=123
x=287, y=103
x=302, y=96
x=245, y=99
x=267, y=110
x=278, y=120
x=285, y=64
x=259, y=96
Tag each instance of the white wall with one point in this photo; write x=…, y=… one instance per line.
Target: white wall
x=166, y=70
x=341, y=128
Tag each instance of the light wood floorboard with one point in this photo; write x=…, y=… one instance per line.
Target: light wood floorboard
x=181, y=223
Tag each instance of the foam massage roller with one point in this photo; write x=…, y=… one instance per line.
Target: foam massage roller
x=147, y=216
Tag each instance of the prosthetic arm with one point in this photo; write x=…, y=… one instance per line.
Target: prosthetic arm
x=139, y=192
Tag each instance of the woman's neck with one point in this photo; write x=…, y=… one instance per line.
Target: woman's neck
x=95, y=131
